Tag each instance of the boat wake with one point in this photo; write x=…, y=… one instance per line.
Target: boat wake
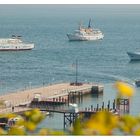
x=114, y=78
x=118, y=78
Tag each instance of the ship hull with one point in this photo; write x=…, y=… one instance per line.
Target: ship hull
x=19, y=47
x=134, y=56
x=73, y=37
x=14, y=49
x=137, y=83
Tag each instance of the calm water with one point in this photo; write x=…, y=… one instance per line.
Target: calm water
x=51, y=61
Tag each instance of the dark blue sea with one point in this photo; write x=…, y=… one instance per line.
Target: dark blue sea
x=104, y=61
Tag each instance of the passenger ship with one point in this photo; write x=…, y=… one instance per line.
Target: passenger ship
x=85, y=34
x=14, y=43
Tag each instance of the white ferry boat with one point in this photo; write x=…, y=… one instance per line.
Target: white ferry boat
x=85, y=34
x=14, y=44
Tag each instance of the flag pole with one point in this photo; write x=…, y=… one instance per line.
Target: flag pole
x=76, y=73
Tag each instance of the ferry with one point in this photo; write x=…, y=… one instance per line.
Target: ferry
x=85, y=34
x=14, y=43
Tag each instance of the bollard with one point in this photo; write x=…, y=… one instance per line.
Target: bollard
x=91, y=107
x=68, y=98
x=59, y=98
x=108, y=106
x=114, y=105
x=56, y=99
x=63, y=100
x=97, y=107
x=102, y=105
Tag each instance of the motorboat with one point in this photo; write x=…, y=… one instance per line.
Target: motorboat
x=134, y=55
x=14, y=43
x=137, y=83
x=73, y=108
x=85, y=34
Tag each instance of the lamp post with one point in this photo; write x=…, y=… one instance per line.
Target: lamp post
x=76, y=72
x=3, y=87
x=53, y=80
x=30, y=85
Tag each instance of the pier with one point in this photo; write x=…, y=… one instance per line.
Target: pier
x=58, y=99
x=56, y=92
x=116, y=107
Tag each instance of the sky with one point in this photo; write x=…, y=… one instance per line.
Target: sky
x=32, y=10
x=22, y=9
x=70, y=1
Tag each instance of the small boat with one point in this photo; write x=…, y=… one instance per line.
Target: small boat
x=73, y=108
x=14, y=43
x=134, y=55
x=85, y=34
x=7, y=123
x=3, y=123
x=46, y=113
x=137, y=83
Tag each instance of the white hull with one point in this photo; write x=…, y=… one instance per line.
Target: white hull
x=16, y=47
x=73, y=37
x=14, y=44
x=134, y=55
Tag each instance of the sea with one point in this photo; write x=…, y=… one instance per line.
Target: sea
x=52, y=60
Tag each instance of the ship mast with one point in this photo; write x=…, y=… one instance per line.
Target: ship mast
x=80, y=25
x=89, y=24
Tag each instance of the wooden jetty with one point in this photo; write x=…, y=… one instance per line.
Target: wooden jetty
x=117, y=107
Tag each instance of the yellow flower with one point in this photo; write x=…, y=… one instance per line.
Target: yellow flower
x=102, y=123
x=137, y=132
x=16, y=131
x=124, y=89
x=2, y=132
x=10, y=115
x=129, y=125
x=43, y=131
x=27, y=113
x=30, y=126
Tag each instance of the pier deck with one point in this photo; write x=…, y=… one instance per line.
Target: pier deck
x=46, y=92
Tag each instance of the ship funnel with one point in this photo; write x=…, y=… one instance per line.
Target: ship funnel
x=89, y=24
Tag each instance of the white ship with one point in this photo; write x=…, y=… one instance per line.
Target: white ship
x=14, y=44
x=85, y=34
x=134, y=55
